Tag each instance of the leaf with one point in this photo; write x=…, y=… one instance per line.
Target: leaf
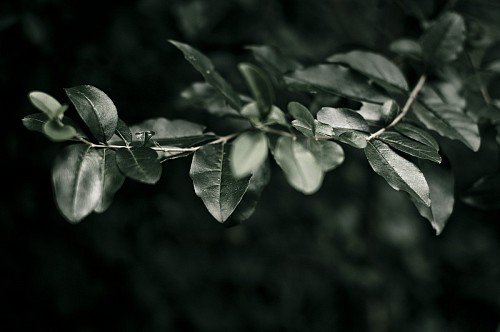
x=410, y=146
x=441, y=185
x=484, y=193
x=248, y=152
x=444, y=40
x=58, y=131
x=276, y=116
x=123, y=131
x=205, y=67
x=407, y=47
x=399, y=173
x=417, y=134
x=328, y=154
x=337, y=80
x=342, y=118
x=77, y=181
x=301, y=169
x=45, y=103
x=36, y=122
x=214, y=182
x=354, y=138
x=374, y=66
x=112, y=179
x=205, y=96
x=303, y=116
x=389, y=110
x=96, y=109
x=450, y=122
x=321, y=129
x=139, y=163
x=274, y=61
x=260, y=87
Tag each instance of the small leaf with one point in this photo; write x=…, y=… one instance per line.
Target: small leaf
x=140, y=164
x=248, y=152
x=58, y=131
x=409, y=146
x=418, y=134
x=328, y=154
x=444, y=40
x=112, y=179
x=450, y=122
x=303, y=116
x=342, y=118
x=37, y=121
x=205, y=67
x=214, y=182
x=399, y=173
x=77, y=181
x=484, y=193
x=260, y=87
x=45, y=103
x=408, y=48
x=96, y=109
x=374, y=66
x=337, y=80
x=301, y=169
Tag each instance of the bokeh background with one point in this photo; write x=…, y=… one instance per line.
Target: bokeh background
x=355, y=256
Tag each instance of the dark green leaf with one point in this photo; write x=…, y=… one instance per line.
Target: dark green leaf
x=354, y=138
x=123, y=131
x=77, y=181
x=417, y=134
x=450, y=122
x=139, y=163
x=389, y=110
x=214, y=182
x=444, y=40
x=410, y=146
x=302, y=171
x=342, y=118
x=248, y=152
x=112, y=179
x=399, y=173
x=336, y=80
x=374, y=66
x=96, y=109
x=328, y=154
x=205, y=67
x=303, y=116
x=484, y=193
x=260, y=87
x=275, y=62
x=205, y=96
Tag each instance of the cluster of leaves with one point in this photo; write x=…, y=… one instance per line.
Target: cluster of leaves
x=397, y=127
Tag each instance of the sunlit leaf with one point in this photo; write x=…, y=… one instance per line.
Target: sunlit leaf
x=342, y=118
x=96, y=109
x=399, y=173
x=214, y=182
x=112, y=179
x=321, y=129
x=389, y=110
x=248, y=152
x=77, y=181
x=354, y=138
x=410, y=146
x=140, y=164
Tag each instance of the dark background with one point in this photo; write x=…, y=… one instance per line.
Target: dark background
x=355, y=256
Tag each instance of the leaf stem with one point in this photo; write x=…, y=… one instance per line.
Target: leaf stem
x=406, y=107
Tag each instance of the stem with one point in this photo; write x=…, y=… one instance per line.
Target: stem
x=406, y=107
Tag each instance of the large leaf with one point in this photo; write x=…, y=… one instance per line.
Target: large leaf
x=328, y=154
x=96, y=109
x=450, y=122
x=441, y=185
x=342, y=118
x=418, y=134
x=374, y=66
x=302, y=171
x=400, y=173
x=444, y=40
x=337, y=80
x=214, y=182
x=410, y=146
x=77, y=181
x=139, y=163
x=205, y=67
x=303, y=116
x=248, y=152
x=112, y=179
x=260, y=87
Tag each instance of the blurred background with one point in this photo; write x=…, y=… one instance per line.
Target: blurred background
x=356, y=256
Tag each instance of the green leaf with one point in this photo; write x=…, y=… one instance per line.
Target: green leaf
x=444, y=40
x=301, y=169
x=46, y=103
x=374, y=66
x=205, y=96
x=441, y=185
x=418, y=134
x=337, y=80
x=484, y=193
x=450, y=122
x=399, y=173
x=112, y=179
x=77, y=181
x=303, y=116
x=354, y=138
x=248, y=152
x=260, y=87
x=321, y=129
x=274, y=61
x=214, y=182
x=96, y=109
x=123, y=131
x=342, y=118
x=139, y=163
x=389, y=110
x=205, y=67
x=328, y=154
x=410, y=146
x=37, y=121
x=407, y=47
x=58, y=131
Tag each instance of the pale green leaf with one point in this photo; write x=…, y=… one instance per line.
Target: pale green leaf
x=112, y=179
x=342, y=118
x=37, y=121
x=58, y=131
x=303, y=116
x=328, y=154
x=214, y=182
x=410, y=146
x=248, y=152
x=354, y=138
x=45, y=103
x=139, y=163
